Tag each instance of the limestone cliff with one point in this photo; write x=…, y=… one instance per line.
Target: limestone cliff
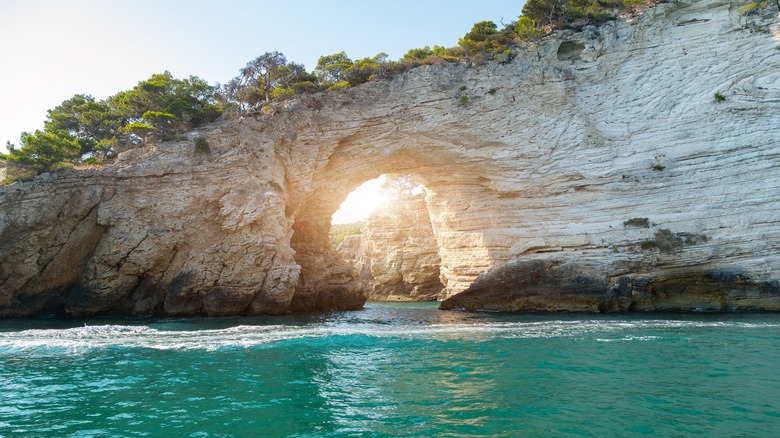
x=396, y=256
x=595, y=170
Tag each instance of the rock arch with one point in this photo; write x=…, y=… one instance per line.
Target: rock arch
x=451, y=179
x=610, y=180
x=395, y=254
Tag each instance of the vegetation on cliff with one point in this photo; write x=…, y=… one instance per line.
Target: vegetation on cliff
x=83, y=130
x=339, y=232
x=270, y=78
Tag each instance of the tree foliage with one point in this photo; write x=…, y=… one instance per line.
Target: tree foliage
x=330, y=68
x=169, y=105
x=83, y=130
x=82, y=117
x=527, y=29
x=265, y=79
x=42, y=151
x=339, y=232
x=416, y=55
x=560, y=13
x=481, y=31
x=401, y=186
x=363, y=70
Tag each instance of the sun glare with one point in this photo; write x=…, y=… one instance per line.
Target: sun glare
x=361, y=202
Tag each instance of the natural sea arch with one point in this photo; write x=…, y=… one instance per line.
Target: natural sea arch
x=452, y=189
x=393, y=249
x=604, y=178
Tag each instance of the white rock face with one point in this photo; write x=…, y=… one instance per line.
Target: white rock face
x=396, y=257
x=544, y=176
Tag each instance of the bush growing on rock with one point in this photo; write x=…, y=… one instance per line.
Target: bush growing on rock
x=753, y=7
x=637, y=222
x=527, y=29
x=340, y=231
x=202, y=146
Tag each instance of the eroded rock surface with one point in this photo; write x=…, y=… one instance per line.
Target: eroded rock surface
x=396, y=256
x=556, y=283
x=566, y=162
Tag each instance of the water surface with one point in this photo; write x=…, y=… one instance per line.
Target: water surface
x=392, y=370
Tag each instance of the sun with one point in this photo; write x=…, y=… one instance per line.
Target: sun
x=361, y=202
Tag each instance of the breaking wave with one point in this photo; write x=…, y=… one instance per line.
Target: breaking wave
x=170, y=337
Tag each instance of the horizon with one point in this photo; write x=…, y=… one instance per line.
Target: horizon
x=65, y=51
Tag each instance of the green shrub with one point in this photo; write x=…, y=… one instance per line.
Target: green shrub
x=282, y=93
x=692, y=238
x=339, y=85
x=492, y=91
x=747, y=8
x=202, y=146
x=637, y=222
x=666, y=241
x=41, y=151
x=527, y=29
x=648, y=244
x=95, y=160
x=340, y=231
x=416, y=55
x=463, y=100
x=719, y=97
x=658, y=167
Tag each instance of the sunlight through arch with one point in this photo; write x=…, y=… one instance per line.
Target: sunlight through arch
x=361, y=202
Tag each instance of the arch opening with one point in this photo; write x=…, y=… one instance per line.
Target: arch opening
x=383, y=230
x=456, y=190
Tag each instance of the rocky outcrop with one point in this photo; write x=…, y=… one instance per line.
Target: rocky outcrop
x=163, y=233
x=597, y=160
x=577, y=284
x=396, y=255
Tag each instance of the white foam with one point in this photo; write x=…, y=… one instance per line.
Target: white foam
x=86, y=338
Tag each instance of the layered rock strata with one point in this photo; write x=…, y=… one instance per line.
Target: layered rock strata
x=596, y=164
x=396, y=256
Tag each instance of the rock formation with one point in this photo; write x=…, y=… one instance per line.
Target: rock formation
x=594, y=169
x=396, y=256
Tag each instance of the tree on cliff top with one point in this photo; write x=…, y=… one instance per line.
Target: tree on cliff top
x=42, y=151
x=267, y=78
x=184, y=104
x=261, y=75
x=82, y=130
x=401, y=186
x=330, y=68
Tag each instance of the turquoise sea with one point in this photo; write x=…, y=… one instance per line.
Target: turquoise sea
x=393, y=370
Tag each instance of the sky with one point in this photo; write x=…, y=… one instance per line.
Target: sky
x=361, y=202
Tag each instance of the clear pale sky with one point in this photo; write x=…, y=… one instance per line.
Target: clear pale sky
x=53, y=49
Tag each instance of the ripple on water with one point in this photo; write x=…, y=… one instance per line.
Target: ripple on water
x=394, y=371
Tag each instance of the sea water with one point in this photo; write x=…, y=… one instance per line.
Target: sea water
x=393, y=370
